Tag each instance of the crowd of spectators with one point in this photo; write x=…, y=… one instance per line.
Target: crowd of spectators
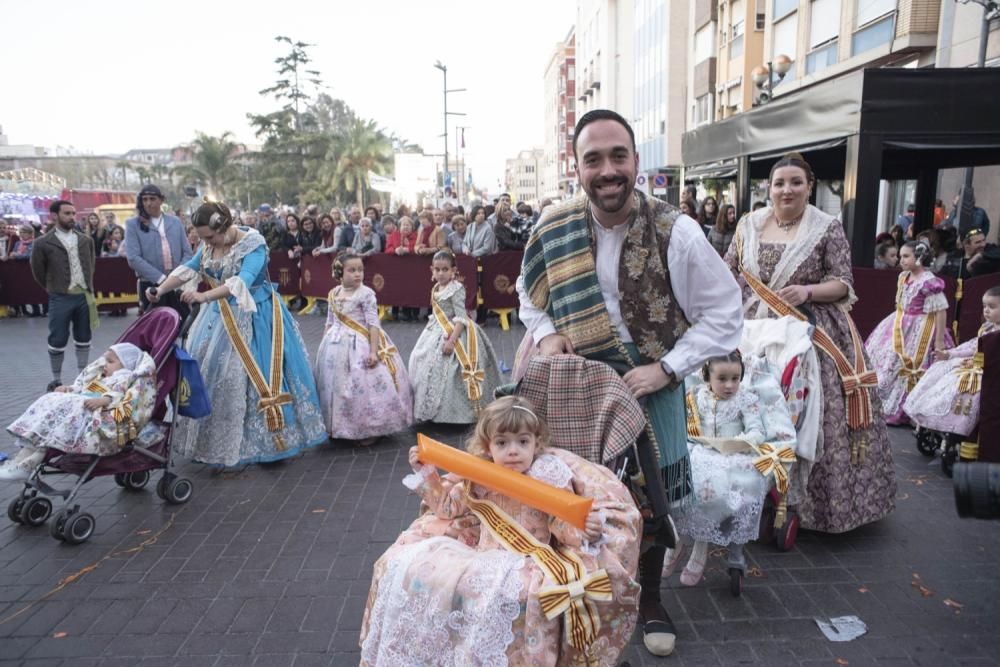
x=958, y=253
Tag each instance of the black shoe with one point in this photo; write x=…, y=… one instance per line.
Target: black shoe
x=52, y=386
x=658, y=632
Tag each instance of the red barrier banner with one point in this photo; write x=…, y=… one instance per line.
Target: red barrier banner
x=499, y=273
x=284, y=272
x=17, y=286
x=406, y=280
x=317, y=276
x=970, y=315
x=115, y=283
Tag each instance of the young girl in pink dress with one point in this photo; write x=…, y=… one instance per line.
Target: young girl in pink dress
x=451, y=592
x=902, y=343
x=364, y=390
x=947, y=399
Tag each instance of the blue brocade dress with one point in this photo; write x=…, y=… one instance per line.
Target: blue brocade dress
x=235, y=432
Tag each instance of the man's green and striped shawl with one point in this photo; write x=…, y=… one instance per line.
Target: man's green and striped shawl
x=560, y=277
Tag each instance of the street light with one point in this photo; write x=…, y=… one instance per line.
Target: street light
x=763, y=77
x=444, y=72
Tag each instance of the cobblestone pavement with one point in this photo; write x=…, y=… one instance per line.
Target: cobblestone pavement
x=271, y=566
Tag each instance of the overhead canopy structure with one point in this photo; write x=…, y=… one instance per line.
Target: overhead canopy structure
x=861, y=127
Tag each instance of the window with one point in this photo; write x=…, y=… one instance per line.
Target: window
x=785, y=37
x=783, y=7
x=760, y=21
x=869, y=10
x=736, y=47
x=701, y=112
x=874, y=35
x=824, y=22
x=822, y=58
x=704, y=48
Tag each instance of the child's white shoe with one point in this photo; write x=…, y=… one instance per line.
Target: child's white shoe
x=19, y=468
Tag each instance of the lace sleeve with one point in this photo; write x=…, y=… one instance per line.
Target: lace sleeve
x=753, y=425
x=934, y=298
x=240, y=292
x=837, y=261
x=458, y=303
x=369, y=306
x=444, y=496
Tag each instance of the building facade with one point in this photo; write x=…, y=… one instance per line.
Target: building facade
x=660, y=51
x=558, y=177
x=604, y=55
x=523, y=178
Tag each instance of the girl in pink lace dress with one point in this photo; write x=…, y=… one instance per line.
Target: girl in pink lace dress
x=901, y=344
x=450, y=593
x=364, y=391
x=941, y=401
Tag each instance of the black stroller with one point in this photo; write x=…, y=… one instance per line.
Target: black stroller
x=155, y=333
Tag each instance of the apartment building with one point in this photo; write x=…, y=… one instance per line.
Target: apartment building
x=523, y=179
x=558, y=177
x=604, y=55
x=660, y=55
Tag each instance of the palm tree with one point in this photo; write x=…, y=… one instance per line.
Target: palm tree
x=361, y=149
x=213, y=164
x=125, y=166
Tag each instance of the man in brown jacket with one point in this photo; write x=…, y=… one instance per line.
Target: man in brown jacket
x=62, y=262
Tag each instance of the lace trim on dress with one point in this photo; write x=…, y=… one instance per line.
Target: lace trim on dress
x=228, y=265
x=413, y=625
x=551, y=470
x=240, y=292
x=935, y=302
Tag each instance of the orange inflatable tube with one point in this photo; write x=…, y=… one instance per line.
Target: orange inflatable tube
x=544, y=497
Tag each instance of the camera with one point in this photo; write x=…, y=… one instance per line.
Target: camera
x=977, y=490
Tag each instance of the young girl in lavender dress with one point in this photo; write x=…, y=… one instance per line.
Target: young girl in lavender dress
x=900, y=346
x=453, y=366
x=364, y=390
x=947, y=397
x=728, y=490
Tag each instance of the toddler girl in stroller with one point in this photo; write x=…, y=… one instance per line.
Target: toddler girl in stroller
x=101, y=411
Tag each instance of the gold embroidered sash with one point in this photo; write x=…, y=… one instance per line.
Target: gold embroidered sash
x=271, y=396
x=693, y=421
x=575, y=590
x=385, y=352
x=771, y=461
x=857, y=380
x=911, y=367
x=472, y=374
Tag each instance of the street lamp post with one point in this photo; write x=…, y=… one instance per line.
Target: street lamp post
x=458, y=159
x=444, y=72
x=763, y=77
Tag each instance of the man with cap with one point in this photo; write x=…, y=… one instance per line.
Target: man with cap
x=155, y=244
x=270, y=227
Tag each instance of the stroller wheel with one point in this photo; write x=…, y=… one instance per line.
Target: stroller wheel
x=14, y=509
x=735, y=581
x=36, y=511
x=785, y=536
x=58, y=523
x=178, y=490
x=928, y=442
x=120, y=479
x=948, y=458
x=134, y=481
x=78, y=528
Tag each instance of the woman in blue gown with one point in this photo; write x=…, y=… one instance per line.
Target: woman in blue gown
x=257, y=416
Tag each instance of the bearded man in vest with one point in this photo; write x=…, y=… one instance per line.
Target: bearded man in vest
x=619, y=273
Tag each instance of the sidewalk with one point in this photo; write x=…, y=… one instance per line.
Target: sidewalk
x=271, y=566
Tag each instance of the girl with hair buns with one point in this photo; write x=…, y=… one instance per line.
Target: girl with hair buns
x=264, y=403
x=902, y=343
x=364, y=391
x=792, y=258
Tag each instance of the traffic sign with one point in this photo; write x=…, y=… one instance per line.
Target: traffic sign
x=660, y=181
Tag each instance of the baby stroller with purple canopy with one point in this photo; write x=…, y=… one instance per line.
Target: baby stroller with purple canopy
x=154, y=333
